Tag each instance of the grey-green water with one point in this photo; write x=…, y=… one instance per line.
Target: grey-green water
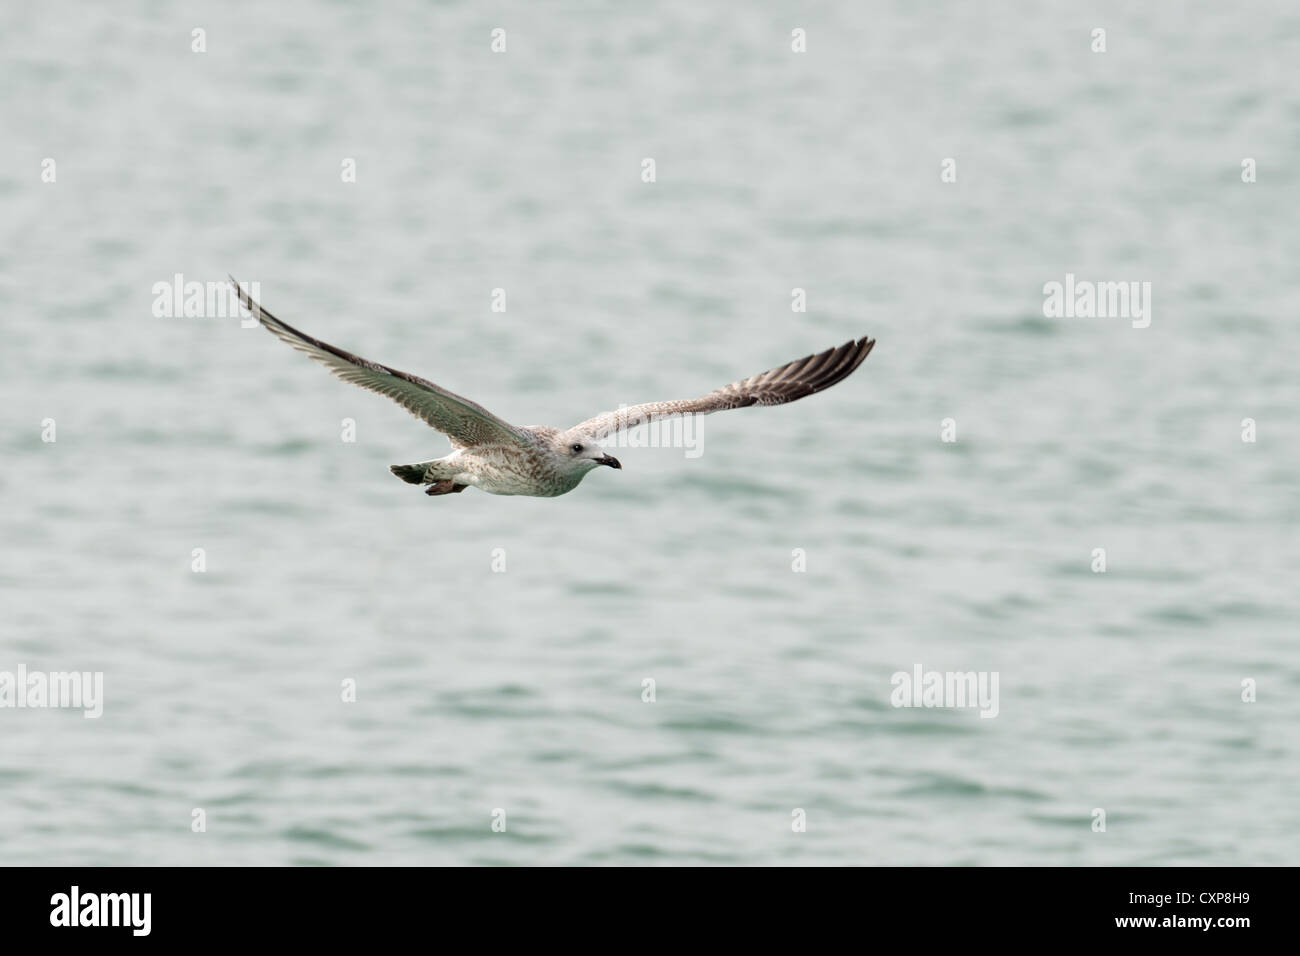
x=522, y=690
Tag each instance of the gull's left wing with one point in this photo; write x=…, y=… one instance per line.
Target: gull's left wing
x=463, y=421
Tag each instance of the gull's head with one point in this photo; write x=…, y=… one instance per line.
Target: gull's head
x=580, y=452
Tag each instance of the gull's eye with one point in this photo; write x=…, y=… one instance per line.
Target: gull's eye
x=575, y=448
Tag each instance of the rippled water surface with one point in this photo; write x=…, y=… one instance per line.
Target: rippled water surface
x=522, y=691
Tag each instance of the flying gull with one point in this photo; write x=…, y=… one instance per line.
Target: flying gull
x=492, y=455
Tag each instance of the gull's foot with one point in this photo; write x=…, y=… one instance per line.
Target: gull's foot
x=445, y=487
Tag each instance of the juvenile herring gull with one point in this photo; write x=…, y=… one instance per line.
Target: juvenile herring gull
x=492, y=455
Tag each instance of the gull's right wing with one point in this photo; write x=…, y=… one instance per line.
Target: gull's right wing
x=789, y=382
x=463, y=421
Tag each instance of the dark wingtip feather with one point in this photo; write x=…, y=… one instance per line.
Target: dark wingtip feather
x=855, y=351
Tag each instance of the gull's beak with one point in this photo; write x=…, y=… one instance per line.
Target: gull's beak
x=607, y=460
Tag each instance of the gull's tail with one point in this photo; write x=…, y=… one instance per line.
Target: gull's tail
x=413, y=474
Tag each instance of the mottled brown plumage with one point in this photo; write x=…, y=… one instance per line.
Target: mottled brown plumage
x=491, y=454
